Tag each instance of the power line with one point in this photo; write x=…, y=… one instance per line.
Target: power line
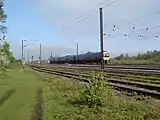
x=112, y=2
x=138, y=17
x=141, y=16
x=141, y=33
x=90, y=12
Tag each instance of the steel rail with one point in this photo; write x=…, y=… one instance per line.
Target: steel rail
x=117, y=70
x=128, y=71
x=144, y=67
x=109, y=73
x=110, y=80
x=146, y=79
x=151, y=90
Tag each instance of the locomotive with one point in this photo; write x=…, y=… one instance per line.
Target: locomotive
x=89, y=57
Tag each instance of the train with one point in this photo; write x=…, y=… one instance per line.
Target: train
x=87, y=58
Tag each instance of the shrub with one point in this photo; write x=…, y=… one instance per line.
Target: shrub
x=93, y=94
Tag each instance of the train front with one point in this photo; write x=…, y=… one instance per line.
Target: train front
x=106, y=57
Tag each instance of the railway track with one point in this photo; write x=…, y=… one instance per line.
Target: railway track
x=116, y=69
x=143, y=67
x=112, y=75
x=141, y=88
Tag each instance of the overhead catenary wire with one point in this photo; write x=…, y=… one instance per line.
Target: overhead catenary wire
x=136, y=18
x=134, y=26
x=81, y=16
x=140, y=33
x=91, y=12
x=105, y=4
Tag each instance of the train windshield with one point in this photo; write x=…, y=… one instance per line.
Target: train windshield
x=106, y=54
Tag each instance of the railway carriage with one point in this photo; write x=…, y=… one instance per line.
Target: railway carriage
x=90, y=57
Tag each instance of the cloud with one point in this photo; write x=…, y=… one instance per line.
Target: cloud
x=122, y=13
x=34, y=50
x=60, y=12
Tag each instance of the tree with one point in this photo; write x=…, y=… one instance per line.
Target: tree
x=3, y=17
x=120, y=57
x=5, y=54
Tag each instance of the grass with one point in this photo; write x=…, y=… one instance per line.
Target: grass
x=38, y=110
x=132, y=62
x=6, y=96
x=20, y=104
x=62, y=100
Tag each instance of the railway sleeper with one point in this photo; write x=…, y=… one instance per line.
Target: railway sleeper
x=139, y=91
x=151, y=87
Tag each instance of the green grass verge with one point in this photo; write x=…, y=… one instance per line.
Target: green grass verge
x=20, y=104
x=61, y=100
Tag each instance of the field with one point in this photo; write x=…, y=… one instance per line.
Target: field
x=27, y=95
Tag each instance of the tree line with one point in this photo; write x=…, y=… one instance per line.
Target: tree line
x=149, y=57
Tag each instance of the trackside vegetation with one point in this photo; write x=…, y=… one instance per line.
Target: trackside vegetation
x=29, y=95
x=6, y=56
x=150, y=57
x=46, y=97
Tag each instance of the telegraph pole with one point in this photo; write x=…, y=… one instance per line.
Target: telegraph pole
x=51, y=53
x=101, y=37
x=28, y=58
x=77, y=54
x=22, y=50
x=32, y=60
x=40, y=53
x=77, y=49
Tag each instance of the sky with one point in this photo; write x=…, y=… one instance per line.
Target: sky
x=60, y=24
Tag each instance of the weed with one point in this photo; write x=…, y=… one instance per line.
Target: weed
x=93, y=94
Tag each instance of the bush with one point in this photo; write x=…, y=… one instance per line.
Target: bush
x=93, y=94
